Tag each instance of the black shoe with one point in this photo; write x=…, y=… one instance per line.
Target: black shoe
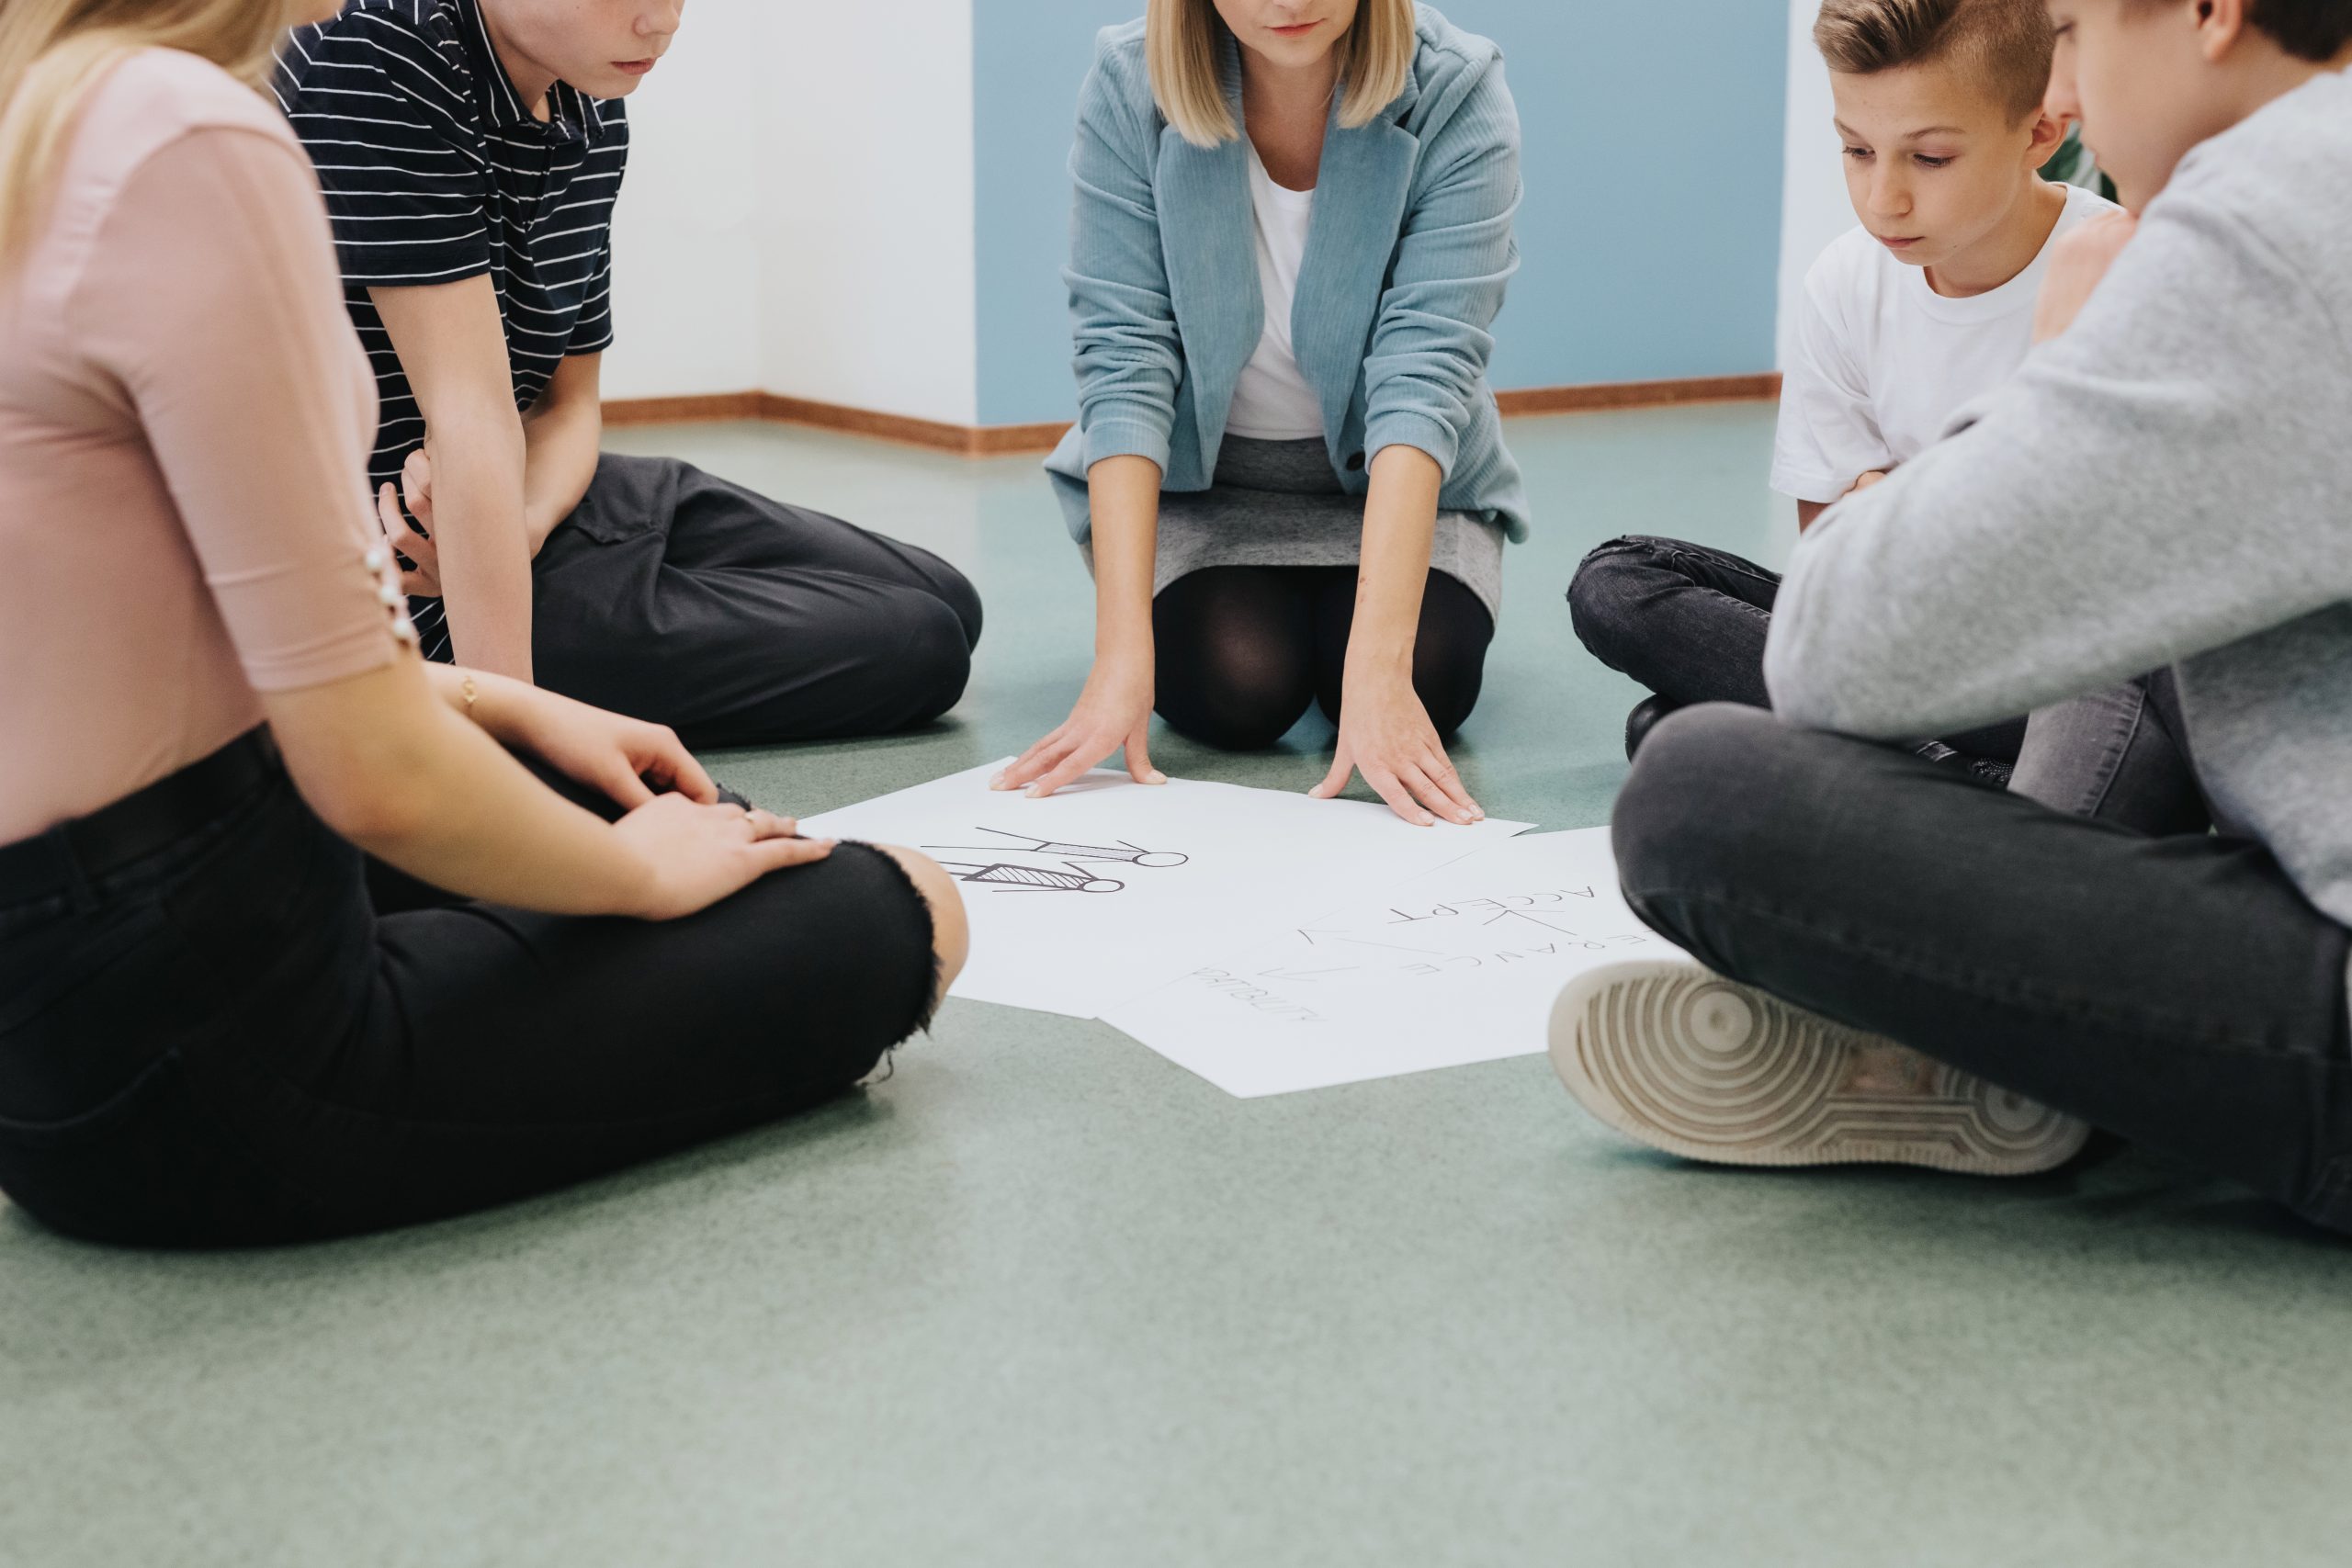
x=1991, y=774
x=1642, y=720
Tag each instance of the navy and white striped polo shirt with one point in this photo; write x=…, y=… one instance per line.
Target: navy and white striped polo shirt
x=436, y=170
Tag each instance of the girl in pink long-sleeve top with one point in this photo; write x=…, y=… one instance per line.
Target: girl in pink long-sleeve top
x=211, y=1030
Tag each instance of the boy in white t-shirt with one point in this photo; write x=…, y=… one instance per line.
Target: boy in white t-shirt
x=1927, y=306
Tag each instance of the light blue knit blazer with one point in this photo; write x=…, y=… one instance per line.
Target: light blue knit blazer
x=1406, y=268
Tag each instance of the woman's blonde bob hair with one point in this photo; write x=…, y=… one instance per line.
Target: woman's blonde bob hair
x=51, y=50
x=1182, y=38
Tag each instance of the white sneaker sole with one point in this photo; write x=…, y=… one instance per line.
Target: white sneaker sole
x=1688, y=1062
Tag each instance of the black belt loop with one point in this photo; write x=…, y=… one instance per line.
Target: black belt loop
x=79, y=894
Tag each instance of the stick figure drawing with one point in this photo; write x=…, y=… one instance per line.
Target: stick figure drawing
x=1125, y=853
x=1032, y=879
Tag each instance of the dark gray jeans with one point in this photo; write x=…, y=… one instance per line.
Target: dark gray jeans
x=1690, y=622
x=2109, y=755
x=2178, y=990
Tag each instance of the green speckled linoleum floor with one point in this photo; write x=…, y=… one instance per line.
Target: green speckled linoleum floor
x=1044, y=1299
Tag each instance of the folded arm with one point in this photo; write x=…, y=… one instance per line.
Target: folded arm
x=560, y=436
x=1123, y=317
x=2159, y=482
x=452, y=347
x=1426, y=370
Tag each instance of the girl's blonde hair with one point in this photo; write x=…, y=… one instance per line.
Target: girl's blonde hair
x=51, y=50
x=1182, y=38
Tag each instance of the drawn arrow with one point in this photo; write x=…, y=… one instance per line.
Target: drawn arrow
x=1394, y=947
x=1353, y=941
x=1532, y=919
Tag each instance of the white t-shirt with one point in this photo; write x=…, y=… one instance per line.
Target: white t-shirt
x=1273, y=402
x=1882, y=361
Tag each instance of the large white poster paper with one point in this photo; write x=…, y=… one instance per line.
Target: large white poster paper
x=1083, y=900
x=1461, y=965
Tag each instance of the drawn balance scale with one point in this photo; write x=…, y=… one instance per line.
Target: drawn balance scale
x=1072, y=877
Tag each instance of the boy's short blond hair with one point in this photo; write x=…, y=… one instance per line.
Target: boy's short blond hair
x=2007, y=44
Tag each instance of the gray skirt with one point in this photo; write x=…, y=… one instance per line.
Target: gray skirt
x=1278, y=503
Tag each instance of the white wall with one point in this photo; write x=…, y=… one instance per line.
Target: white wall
x=798, y=215
x=1814, y=205
x=686, y=238
x=799, y=211
x=867, y=249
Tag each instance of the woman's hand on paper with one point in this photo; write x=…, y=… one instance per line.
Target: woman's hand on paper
x=1385, y=734
x=1112, y=712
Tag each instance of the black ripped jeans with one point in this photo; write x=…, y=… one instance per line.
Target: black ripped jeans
x=224, y=1040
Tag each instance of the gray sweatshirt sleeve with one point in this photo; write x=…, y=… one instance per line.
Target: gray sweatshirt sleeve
x=2160, y=481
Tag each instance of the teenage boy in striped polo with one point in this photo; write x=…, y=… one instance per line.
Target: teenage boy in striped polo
x=471, y=151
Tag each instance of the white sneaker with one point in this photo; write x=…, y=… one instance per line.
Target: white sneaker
x=1686, y=1061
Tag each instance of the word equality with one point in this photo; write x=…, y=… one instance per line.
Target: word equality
x=1452, y=922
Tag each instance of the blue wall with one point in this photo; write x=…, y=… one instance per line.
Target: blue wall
x=1652, y=226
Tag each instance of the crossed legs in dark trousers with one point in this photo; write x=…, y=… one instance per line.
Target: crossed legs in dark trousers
x=676, y=597
x=1690, y=622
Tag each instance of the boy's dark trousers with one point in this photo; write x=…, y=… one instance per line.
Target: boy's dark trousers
x=674, y=596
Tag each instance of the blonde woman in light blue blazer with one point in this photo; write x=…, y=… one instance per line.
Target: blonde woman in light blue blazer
x=1292, y=236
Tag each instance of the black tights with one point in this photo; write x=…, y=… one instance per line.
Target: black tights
x=1244, y=649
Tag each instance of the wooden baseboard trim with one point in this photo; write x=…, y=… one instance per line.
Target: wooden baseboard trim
x=965, y=440
x=960, y=439
x=1002, y=440
x=1639, y=394
x=997, y=440
x=709, y=406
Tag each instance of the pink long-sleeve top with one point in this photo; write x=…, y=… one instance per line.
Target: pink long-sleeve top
x=184, y=416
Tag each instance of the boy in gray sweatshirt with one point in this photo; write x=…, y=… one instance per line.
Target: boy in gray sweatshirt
x=1910, y=967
